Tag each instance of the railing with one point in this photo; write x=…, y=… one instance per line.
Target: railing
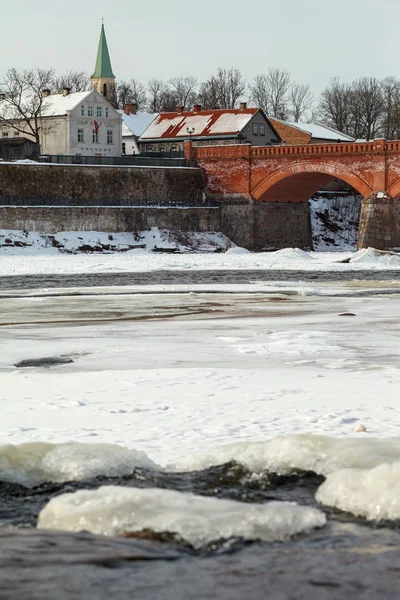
x=339, y=148
x=151, y=160
x=9, y=201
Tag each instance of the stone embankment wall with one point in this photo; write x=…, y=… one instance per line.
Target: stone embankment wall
x=103, y=199
x=90, y=183
x=45, y=219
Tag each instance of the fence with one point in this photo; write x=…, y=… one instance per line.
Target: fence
x=136, y=160
x=10, y=201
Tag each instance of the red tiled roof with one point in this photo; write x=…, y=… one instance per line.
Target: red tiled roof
x=205, y=123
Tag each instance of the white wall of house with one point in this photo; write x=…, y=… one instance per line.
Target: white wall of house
x=73, y=133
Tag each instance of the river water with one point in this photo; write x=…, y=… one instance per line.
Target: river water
x=348, y=558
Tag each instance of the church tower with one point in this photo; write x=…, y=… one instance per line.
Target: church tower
x=103, y=78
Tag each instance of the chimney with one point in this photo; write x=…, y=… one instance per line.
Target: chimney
x=128, y=108
x=66, y=91
x=46, y=92
x=243, y=106
x=180, y=109
x=197, y=108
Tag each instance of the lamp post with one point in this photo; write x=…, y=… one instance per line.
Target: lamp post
x=190, y=132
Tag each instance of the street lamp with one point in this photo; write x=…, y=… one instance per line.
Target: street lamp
x=190, y=132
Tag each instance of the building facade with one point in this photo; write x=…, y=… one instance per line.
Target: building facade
x=244, y=125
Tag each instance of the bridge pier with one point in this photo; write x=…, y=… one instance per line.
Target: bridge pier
x=259, y=225
x=379, y=222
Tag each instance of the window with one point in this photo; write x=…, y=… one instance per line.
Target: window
x=123, y=148
x=80, y=136
x=95, y=138
x=110, y=137
x=99, y=112
x=255, y=128
x=5, y=133
x=90, y=111
x=262, y=128
x=16, y=133
x=82, y=111
x=107, y=111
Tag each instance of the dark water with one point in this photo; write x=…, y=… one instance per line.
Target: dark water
x=346, y=559
x=19, y=282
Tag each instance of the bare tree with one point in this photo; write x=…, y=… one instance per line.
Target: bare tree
x=132, y=92
x=259, y=92
x=23, y=105
x=391, y=99
x=278, y=88
x=223, y=90
x=77, y=81
x=270, y=91
x=208, y=95
x=336, y=106
x=301, y=100
x=368, y=108
x=184, y=90
x=156, y=88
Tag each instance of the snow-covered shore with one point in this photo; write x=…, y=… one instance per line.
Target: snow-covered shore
x=23, y=261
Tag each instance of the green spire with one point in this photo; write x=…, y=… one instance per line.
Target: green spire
x=103, y=62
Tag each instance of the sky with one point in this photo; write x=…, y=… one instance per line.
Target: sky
x=314, y=40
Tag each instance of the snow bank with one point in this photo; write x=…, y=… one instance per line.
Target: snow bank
x=32, y=464
x=292, y=254
x=321, y=454
x=370, y=493
x=370, y=256
x=16, y=242
x=198, y=520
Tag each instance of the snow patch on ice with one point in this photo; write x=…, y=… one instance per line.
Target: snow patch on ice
x=370, y=493
x=35, y=463
x=198, y=520
x=320, y=454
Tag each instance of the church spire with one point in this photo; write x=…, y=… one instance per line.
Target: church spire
x=103, y=78
x=103, y=62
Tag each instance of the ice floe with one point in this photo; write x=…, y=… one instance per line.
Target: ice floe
x=114, y=510
x=34, y=463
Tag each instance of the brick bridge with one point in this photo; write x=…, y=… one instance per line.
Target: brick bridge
x=264, y=191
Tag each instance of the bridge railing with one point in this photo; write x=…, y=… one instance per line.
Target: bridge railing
x=248, y=151
x=310, y=149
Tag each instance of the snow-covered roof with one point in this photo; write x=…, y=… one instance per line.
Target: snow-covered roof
x=204, y=123
x=58, y=105
x=135, y=124
x=321, y=132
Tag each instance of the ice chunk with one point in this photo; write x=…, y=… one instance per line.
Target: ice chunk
x=370, y=493
x=114, y=510
x=320, y=454
x=35, y=463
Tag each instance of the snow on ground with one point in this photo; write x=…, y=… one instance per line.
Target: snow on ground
x=20, y=261
x=335, y=220
x=203, y=371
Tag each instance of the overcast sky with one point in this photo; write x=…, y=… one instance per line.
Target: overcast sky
x=314, y=39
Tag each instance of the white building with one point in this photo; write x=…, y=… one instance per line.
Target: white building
x=134, y=124
x=82, y=123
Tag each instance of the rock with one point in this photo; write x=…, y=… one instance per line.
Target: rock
x=360, y=429
x=50, y=361
x=347, y=315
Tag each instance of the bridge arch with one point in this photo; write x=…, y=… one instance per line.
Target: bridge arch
x=298, y=182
